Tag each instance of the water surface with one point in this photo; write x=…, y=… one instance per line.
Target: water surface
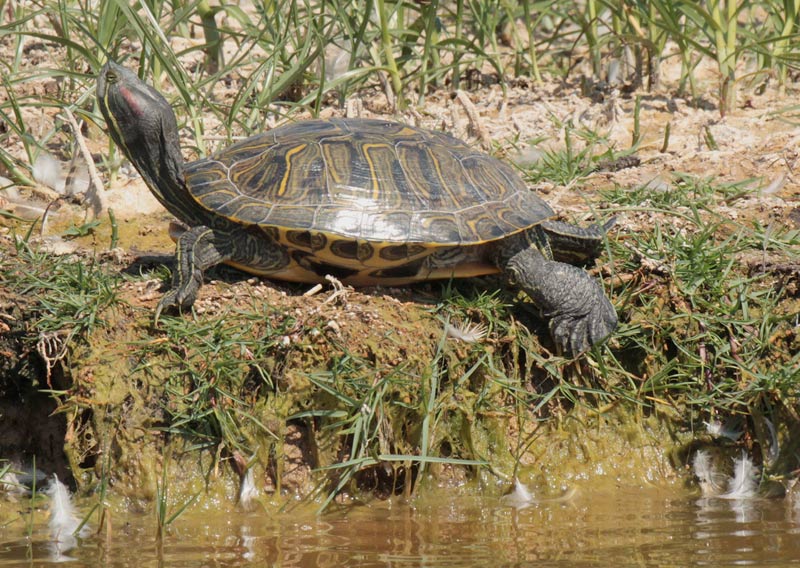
x=626, y=527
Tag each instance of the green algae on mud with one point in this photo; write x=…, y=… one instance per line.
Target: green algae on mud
x=362, y=392
x=364, y=387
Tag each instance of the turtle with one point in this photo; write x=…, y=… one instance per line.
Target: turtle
x=368, y=201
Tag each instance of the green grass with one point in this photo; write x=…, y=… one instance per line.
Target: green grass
x=706, y=323
x=701, y=330
x=70, y=298
x=219, y=373
x=275, y=60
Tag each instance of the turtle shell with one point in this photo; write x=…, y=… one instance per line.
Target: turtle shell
x=366, y=180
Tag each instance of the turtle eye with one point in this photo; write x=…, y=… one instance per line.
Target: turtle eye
x=111, y=76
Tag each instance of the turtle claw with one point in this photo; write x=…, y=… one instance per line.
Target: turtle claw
x=180, y=298
x=195, y=252
x=167, y=301
x=578, y=313
x=575, y=333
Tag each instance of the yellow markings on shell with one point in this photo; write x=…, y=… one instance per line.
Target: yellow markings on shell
x=329, y=161
x=289, y=155
x=406, y=132
x=376, y=186
x=438, y=167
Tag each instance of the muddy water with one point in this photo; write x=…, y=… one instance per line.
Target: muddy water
x=630, y=527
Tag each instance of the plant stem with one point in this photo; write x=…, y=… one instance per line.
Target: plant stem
x=386, y=41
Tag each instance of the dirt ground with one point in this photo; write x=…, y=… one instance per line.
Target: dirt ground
x=759, y=143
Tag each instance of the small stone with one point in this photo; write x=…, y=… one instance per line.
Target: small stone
x=658, y=184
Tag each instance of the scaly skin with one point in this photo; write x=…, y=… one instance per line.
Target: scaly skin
x=578, y=313
x=196, y=251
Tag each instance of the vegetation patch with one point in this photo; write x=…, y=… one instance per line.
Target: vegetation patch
x=346, y=393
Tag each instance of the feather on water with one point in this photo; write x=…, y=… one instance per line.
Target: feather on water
x=64, y=523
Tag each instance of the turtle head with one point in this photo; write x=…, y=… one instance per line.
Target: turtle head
x=143, y=125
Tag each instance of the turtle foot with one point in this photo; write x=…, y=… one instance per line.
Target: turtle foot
x=575, y=332
x=175, y=298
x=196, y=251
x=577, y=311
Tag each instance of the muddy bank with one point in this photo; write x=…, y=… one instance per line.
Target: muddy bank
x=346, y=392
x=364, y=392
x=361, y=390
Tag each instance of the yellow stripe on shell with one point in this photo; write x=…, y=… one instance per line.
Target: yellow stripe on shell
x=445, y=184
x=376, y=186
x=288, y=157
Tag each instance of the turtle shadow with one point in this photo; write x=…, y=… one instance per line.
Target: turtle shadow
x=145, y=263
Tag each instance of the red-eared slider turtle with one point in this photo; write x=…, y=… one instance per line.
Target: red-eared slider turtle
x=368, y=201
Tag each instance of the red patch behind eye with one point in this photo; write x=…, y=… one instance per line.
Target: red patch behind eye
x=133, y=104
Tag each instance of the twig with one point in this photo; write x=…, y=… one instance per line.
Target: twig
x=475, y=121
x=97, y=198
x=340, y=292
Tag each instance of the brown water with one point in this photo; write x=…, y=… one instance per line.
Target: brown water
x=630, y=527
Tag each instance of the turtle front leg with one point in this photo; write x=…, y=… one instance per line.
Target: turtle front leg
x=578, y=313
x=196, y=251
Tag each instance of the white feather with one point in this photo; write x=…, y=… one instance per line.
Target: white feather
x=64, y=522
x=9, y=482
x=8, y=189
x=337, y=59
x=48, y=172
x=775, y=186
x=720, y=430
x=528, y=156
x=466, y=332
x=794, y=495
x=744, y=483
x=710, y=480
x=20, y=479
x=248, y=492
x=519, y=496
x=774, y=449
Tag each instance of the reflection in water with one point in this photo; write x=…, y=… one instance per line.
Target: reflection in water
x=642, y=526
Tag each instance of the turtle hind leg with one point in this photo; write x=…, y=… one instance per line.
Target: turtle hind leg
x=574, y=244
x=196, y=251
x=577, y=311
